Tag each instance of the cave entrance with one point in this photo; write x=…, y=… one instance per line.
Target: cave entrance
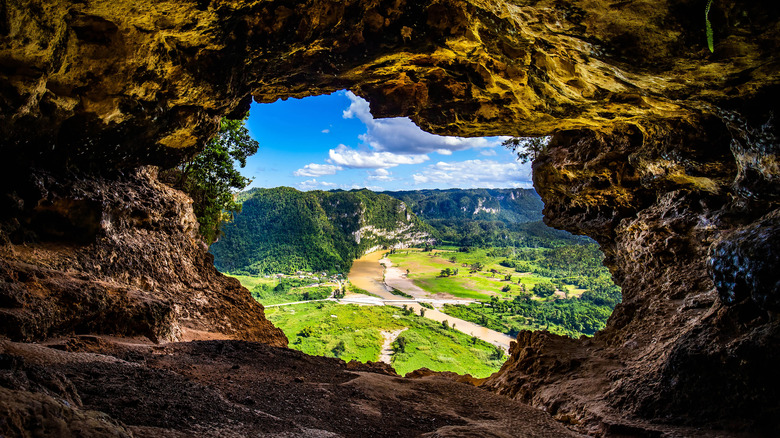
x=370, y=239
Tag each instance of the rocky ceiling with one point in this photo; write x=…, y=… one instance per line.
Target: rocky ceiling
x=663, y=152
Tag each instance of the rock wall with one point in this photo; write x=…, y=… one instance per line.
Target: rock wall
x=663, y=152
x=691, y=341
x=84, y=254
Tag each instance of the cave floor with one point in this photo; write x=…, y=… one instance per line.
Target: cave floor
x=105, y=386
x=235, y=388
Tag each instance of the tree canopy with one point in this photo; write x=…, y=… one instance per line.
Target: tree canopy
x=527, y=148
x=211, y=177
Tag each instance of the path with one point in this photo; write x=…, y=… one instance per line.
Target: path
x=368, y=274
x=387, y=346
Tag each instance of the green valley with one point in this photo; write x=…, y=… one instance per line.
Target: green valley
x=486, y=248
x=283, y=230
x=565, y=290
x=355, y=332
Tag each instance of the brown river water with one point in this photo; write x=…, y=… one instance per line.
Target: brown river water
x=367, y=273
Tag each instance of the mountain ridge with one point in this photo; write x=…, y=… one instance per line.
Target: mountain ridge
x=510, y=205
x=283, y=229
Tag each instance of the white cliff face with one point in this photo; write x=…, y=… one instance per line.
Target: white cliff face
x=405, y=235
x=480, y=207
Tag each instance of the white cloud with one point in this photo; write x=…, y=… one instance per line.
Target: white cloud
x=353, y=158
x=476, y=173
x=326, y=131
x=488, y=152
x=401, y=136
x=315, y=169
x=380, y=175
x=313, y=184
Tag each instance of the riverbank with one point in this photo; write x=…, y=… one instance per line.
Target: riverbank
x=369, y=273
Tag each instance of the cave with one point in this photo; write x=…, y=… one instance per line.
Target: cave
x=663, y=151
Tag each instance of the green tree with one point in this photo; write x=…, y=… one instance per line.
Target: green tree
x=543, y=289
x=497, y=353
x=339, y=348
x=527, y=148
x=210, y=177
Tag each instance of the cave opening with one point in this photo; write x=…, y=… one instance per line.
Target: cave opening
x=664, y=152
x=446, y=234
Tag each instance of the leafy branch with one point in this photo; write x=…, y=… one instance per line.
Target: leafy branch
x=708, y=27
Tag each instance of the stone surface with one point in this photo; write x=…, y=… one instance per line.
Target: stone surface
x=663, y=152
x=236, y=389
x=663, y=208
x=115, y=256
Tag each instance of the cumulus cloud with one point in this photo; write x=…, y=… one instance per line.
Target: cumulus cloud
x=326, y=131
x=315, y=170
x=488, y=152
x=313, y=184
x=400, y=135
x=353, y=158
x=381, y=175
x=476, y=173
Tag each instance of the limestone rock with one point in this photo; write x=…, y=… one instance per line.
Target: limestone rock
x=663, y=152
x=115, y=256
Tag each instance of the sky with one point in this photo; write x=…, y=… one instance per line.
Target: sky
x=333, y=142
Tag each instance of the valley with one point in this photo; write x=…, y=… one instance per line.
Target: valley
x=426, y=304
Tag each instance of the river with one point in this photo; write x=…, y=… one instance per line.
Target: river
x=368, y=274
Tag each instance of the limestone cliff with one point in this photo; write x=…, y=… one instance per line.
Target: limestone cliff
x=663, y=152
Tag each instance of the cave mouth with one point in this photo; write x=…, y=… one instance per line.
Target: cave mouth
x=664, y=152
x=495, y=269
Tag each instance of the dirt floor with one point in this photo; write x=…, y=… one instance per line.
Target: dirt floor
x=236, y=388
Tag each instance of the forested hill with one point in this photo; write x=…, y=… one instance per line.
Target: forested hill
x=285, y=230
x=505, y=205
x=486, y=217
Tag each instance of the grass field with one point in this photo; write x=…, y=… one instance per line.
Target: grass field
x=353, y=332
x=262, y=290
x=250, y=282
x=425, y=267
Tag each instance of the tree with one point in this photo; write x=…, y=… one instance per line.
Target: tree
x=527, y=148
x=543, y=289
x=339, y=348
x=210, y=177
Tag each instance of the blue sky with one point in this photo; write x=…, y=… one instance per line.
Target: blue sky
x=332, y=142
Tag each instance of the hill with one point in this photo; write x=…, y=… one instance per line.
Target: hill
x=486, y=217
x=505, y=205
x=286, y=230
